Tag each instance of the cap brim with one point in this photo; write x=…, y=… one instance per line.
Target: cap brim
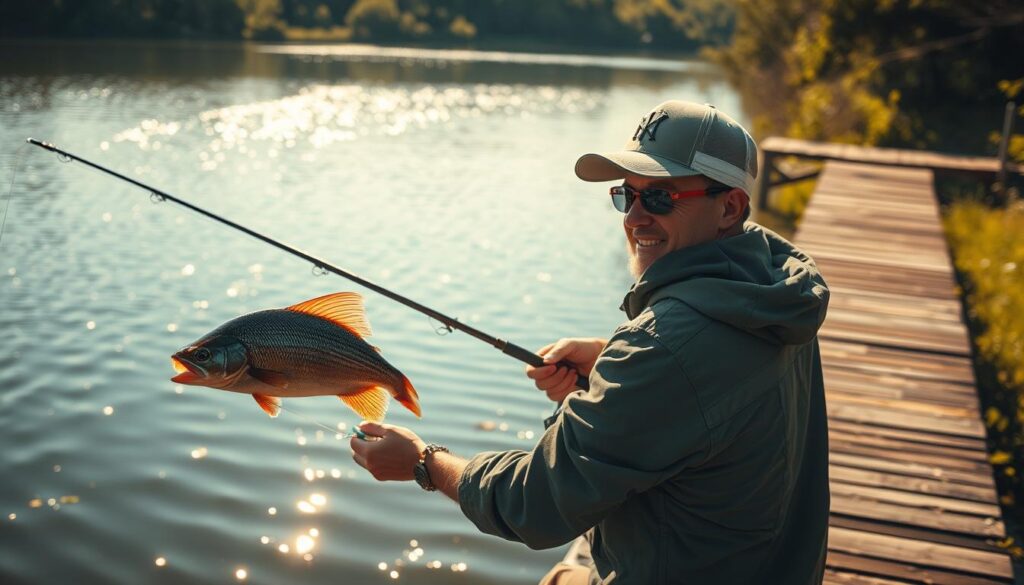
x=609, y=167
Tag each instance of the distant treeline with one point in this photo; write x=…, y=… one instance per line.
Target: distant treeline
x=663, y=24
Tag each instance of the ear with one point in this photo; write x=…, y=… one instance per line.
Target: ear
x=734, y=205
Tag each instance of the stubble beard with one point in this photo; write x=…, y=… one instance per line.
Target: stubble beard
x=635, y=267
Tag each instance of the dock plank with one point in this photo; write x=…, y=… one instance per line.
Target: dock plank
x=913, y=498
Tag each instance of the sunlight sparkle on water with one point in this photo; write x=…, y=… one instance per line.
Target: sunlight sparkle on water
x=272, y=510
x=108, y=410
x=241, y=574
x=284, y=548
x=304, y=543
x=199, y=453
x=160, y=562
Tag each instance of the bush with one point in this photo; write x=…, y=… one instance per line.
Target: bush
x=374, y=19
x=988, y=249
x=462, y=28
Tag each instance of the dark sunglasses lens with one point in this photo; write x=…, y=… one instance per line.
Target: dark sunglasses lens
x=621, y=200
x=657, y=201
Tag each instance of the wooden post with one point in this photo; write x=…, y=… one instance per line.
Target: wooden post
x=1011, y=114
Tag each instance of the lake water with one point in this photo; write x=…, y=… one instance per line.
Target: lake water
x=445, y=176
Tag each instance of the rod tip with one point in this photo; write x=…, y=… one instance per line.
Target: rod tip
x=46, y=145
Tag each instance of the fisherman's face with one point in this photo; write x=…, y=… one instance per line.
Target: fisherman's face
x=692, y=221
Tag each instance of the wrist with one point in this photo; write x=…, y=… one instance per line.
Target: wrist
x=421, y=472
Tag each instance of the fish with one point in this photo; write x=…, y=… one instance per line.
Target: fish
x=313, y=348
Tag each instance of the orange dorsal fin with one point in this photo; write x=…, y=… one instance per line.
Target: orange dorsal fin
x=371, y=402
x=344, y=309
x=270, y=404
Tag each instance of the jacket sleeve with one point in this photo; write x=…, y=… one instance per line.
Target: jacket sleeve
x=639, y=424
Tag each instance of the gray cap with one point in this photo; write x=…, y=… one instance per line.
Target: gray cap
x=680, y=139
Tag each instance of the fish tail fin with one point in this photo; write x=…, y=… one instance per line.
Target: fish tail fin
x=408, y=397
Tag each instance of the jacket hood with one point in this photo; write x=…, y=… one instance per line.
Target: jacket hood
x=757, y=281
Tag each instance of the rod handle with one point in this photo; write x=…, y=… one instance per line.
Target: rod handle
x=527, y=356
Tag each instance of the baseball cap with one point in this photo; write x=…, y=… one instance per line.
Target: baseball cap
x=680, y=139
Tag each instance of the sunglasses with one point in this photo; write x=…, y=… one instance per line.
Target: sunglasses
x=655, y=201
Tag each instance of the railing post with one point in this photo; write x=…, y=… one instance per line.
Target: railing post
x=1004, y=144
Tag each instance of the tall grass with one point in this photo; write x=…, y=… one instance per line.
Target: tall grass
x=987, y=244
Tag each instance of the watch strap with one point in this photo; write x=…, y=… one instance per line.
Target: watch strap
x=420, y=471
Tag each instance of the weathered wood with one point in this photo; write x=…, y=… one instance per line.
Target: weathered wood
x=775, y=146
x=916, y=552
x=913, y=499
x=909, y=469
x=904, y=571
x=913, y=532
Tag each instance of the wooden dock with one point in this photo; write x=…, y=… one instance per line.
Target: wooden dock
x=913, y=499
x=775, y=147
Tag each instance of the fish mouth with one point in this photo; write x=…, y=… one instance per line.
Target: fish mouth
x=188, y=373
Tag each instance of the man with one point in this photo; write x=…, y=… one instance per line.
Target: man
x=699, y=453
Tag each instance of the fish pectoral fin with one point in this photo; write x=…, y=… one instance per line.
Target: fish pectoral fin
x=270, y=404
x=344, y=309
x=370, y=402
x=276, y=379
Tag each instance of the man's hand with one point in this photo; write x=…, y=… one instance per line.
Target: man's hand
x=558, y=381
x=389, y=453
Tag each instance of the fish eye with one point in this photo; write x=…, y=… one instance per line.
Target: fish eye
x=201, y=355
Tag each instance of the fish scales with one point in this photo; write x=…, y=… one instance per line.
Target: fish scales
x=277, y=339
x=309, y=349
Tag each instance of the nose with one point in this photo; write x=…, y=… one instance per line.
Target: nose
x=637, y=216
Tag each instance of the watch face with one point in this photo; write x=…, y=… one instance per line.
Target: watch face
x=423, y=477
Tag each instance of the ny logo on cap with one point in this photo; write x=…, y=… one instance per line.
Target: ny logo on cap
x=649, y=125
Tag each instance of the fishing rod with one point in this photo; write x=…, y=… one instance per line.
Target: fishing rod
x=323, y=266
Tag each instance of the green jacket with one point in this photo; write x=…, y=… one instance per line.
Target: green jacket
x=700, y=453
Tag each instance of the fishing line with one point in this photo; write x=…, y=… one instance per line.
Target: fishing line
x=19, y=158
x=355, y=430
x=319, y=265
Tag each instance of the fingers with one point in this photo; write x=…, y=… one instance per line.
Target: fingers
x=562, y=385
x=372, y=429
x=541, y=372
x=557, y=351
x=359, y=459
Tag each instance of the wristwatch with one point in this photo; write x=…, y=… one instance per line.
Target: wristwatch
x=420, y=471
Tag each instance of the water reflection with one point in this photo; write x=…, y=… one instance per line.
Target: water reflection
x=450, y=183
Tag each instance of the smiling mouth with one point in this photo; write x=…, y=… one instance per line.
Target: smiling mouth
x=646, y=243
x=187, y=373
